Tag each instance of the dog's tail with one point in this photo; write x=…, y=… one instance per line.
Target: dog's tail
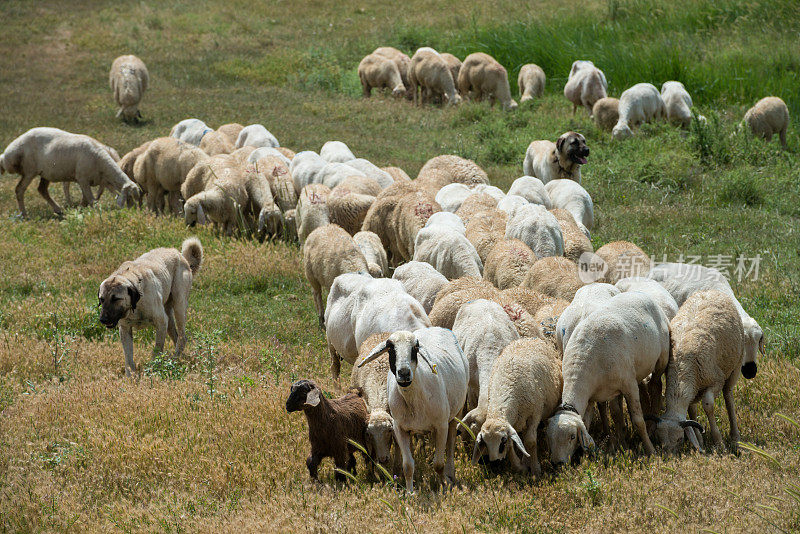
x=192, y=250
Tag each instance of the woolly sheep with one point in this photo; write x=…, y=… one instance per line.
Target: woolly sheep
x=449, y=251
x=610, y=352
x=587, y=299
x=641, y=103
x=430, y=75
x=312, y=210
x=576, y=236
x=707, y=343
x=214, y=143
x=623, y=259
x=606, y=113
x=531, y=82
x=367, y=168
x=524, y=390
x=359, y=306
x=231, y=131
x=265, y=151
x=451, y=196
x=403, y=63
x=447, y=220
x=363, y=185
x=128, y=80
x=58, y=156
x=677, y=103
x=585, y=86
x=483, y=330
x=372, y=380
x=422, y=281
x=190, y=131
x=571, y=196
x=204, y=173
x=485, y=229
x=481, y=76
x=275, y=171
x=527, y=298
x=454, y=169
x=656, y=291
x=510, y=203
x=348, y=209
x=101, y=188
x=682, y=280
x=127, y=163
x=531, y=189
x=331, y=424
x=336, y=152
x=379, y=72
x=305, y=168
x=536, y=227
x=163, y=167
x=453, y=63
x=425, y=398
x=555, y=276
x=495, y=192
x=256, y=135
x=397, y=173
x=333, y=174
x=329, y=251
x=768, y=117
x=546, y=318
x=508, y=263
x=370, y=245
x=474, y=204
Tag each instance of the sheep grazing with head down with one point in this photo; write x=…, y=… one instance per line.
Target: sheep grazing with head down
x=427, y=387
x=707, y=346
x=536, y=227
x=430, y=75
x=379, y=72
x=256, y=135
x=531, y=189
x=422, y=281
x=531, y=82
x=190, y=131
x=336, y=152
x=524, y=390
x=448, y=251
x=678, y=103
x=555, y=276
x=768, y=117
x=163, y=167
x=587, y=299
x=331, y=423
x=482, y=76
x=585, y=86
x=606, y=113
x=128, y=79
x=571, y=196
x=610, y=352
x=641, y=103
x=647, y=285
x=454, y=169
x=485, y=229
x=575, y=234
x=370, y=245
x=403, y=63
x=453, y=63
x=508, y=263
x=312, y=210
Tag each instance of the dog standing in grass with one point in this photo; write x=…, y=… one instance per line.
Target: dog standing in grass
x=152, y=289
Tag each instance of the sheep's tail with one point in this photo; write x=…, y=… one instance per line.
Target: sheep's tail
x=192, y=250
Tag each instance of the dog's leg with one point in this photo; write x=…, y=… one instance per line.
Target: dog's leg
x=126, y=337
x=180, y=304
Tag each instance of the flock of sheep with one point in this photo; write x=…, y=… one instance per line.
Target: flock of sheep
x=458, y=304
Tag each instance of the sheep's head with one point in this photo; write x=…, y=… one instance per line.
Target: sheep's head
x=404, y=352
x=2, y=164
x=193, y=212
x=753, y=344
x=670, y=433
x=303, y=393
x=498, y=437
x=269, y=221
x=380, y=432
x=375, y=270
x=621, y=131
x=399, y=91
x=510, y=105
x=566, y=433
x=453, y=99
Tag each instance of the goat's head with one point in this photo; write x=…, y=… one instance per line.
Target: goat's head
x=404, y=351
x=303, y=393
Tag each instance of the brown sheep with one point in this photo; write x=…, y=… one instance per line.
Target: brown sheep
x=575, y=241
x=508, y=263
x=485, y=229
x=379, y=72
x=555, y=276
x=531, y=82
x=606, y=113
x=623, y=259
x=481, y=76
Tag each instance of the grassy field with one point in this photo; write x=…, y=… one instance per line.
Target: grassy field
x=204, y=444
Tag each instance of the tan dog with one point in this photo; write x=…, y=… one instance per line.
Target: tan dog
x=152, y=289
x=547, y=161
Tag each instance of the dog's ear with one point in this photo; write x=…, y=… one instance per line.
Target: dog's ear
x=560, y=143
x=133, y=293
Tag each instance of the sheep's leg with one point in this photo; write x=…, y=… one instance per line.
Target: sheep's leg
x=635, y=411
x=367, y=90
x=316, y=290
x=574, y=108
x=782, y=135
x=404, y=443
x=152, y=195
x=45, y=194
x=532, y=446
x=708, y=407
x=602, y=409
x=88, y=195
x=727, y=393
x=174, y=198
x=654, y=392
x=312, y=463
x=19, y=191
x=335, y=362
x=450, y=466
x=67, y=194
x=693, y=417
x=615, y=406
x=100, y=190
x=440, y=436
x=126, y=337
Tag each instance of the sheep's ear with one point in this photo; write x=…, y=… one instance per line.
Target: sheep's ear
x=312, y=399
x=377, y=351
x=585, y=439
x=201, y=215
x=515, y=439
x=476, y=451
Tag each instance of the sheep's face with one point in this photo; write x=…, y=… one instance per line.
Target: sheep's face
x=302, y=393
x=669, y=434
x=621, y=131
x=453, y=100
x=381, y=434
x=566, y=433
x=510, y=105
x=497, y=438
x=753, y=344
x=129, y=195
x=403, y=349
x=571, y=146
x=117, y=296
x=399, y=91
x=193, y=212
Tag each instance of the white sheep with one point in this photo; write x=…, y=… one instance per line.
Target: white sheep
x=768, y=117
x=367, y=168
x=256, y=135
x=264, y=151
x=447, y=168
x=163, y=167
x=587, y=299
x=482, y=76
x=306, y=167
x=329, y=251
x=575, y=234
x=524, y=390
x=333, y=174
x=571, y=196
x=447, y=220
x=531, y=189
x=483, y=330
x=371, y=247
x=641, y=103
x=422, y=281
x=682, y=280
x=190, y=131
x=531, y=82
x=58, y=156
x=707, y=343
x=379, y=72
x=312, y=210
x=510, y=203
x=656, y=291
x=402, y=61
x=336, y=152
x=449, y=251
x=677, y=102
x=451, y=196
x=538, y=228
x=359, y=306
x=610, y=352
x=430, y=75
x=128, y=80
x=585, y=86
x=453, y=63
x=425, y=396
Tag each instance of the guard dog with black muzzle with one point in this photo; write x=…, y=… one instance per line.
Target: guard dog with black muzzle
x=548, y=161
